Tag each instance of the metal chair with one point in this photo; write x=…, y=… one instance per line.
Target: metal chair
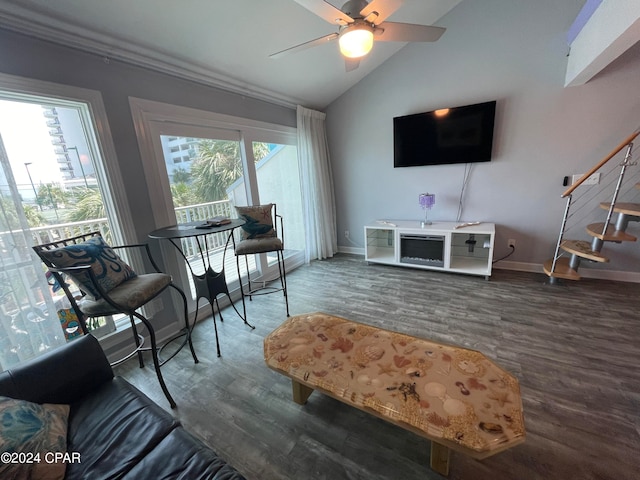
x=109, y=286
x=263, y=232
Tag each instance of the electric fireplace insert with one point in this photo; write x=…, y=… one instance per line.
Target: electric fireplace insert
x=422, y=249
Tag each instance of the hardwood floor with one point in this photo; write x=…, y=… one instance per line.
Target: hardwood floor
x=575, y=349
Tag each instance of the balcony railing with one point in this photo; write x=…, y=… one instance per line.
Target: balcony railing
x=202, y=212
x=191, y=213
x=26, y=322
x=51, y=233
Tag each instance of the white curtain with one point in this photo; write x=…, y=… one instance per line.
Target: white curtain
x=317, y=185
x=29, y=324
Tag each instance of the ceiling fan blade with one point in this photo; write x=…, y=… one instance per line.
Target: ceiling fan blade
x=408, y=32
x=378, y=10
x=305, y=45
x=327, y=11
x=351, y=64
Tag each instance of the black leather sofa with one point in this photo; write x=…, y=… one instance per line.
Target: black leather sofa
x=118, y=431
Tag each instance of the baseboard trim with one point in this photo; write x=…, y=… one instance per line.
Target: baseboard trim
x=351, y=250
x=616, y=275
x=599, y=274
x=519, y=266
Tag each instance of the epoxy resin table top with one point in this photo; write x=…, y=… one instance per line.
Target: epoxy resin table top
x=452, y=395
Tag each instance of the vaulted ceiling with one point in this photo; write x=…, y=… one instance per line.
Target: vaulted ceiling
x=225, y=43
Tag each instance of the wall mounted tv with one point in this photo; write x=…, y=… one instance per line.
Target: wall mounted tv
x=448, y=135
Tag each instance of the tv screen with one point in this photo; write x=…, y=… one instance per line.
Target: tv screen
x=448, y=135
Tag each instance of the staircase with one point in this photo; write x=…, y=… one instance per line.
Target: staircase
x=617, y=180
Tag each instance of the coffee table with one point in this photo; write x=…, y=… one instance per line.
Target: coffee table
x=454, y=396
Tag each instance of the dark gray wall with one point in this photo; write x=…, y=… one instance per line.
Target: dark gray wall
x=512, y=51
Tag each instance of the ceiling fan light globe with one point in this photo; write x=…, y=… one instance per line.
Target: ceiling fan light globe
x=356, y=42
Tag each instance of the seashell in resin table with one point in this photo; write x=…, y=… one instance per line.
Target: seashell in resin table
x=474, y=408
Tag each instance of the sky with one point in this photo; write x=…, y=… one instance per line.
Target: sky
x=26, y=139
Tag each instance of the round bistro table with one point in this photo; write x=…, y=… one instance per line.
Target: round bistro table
x=211, y=283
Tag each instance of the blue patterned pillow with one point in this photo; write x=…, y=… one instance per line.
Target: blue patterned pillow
x=31, y=429
x=259, y=221
x=108, y=268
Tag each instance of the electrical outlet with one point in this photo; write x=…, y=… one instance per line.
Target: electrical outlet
x=346, y=234
x=592, y=180
x=511, y=243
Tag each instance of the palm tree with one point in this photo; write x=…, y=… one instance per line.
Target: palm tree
x=180, y=175
x=260, y=150
x=88, y=206
x=183, y=195
x=33, y=216
x=51, y=195
x=218, y=165
x=9, y=217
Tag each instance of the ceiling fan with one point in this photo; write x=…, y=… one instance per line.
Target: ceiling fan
x=360, y=22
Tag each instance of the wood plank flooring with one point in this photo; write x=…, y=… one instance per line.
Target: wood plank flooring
x=575, y=349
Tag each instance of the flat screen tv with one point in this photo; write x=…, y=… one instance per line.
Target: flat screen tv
x=448, y=135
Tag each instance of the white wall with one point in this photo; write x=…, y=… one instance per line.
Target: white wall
x=278, y=183
x=513, y=51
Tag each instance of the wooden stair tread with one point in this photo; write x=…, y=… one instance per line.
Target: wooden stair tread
x=562, y=270
x=583, y=249
x=611, y=235
x=623, y=207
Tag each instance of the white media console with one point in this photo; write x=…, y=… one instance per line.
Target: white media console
x=439, y=246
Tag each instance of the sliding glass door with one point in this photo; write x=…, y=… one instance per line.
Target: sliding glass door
x=202, y=167
x=206, y=164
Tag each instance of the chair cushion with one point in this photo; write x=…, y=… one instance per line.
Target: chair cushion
x=258, y=245
x=30, y=428
x=109, y=269
x=259, y=221
x=131, y=294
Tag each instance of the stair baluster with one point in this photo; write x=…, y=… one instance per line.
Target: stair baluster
x=559, y=267
x=556, y=254
x=598, y=243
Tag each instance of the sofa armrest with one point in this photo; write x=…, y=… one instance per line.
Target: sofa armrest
x=63, y=375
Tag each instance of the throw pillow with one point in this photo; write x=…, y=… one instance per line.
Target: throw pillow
x=30, y=429
x=109, y=269
x=259, y=221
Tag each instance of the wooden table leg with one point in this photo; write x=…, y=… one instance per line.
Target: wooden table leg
x=440, y=458
x=300, y=392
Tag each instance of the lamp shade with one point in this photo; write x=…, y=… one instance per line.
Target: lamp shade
x=356, y=41
x=427, y=200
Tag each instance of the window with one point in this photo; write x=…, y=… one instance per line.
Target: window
x=44, y=176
